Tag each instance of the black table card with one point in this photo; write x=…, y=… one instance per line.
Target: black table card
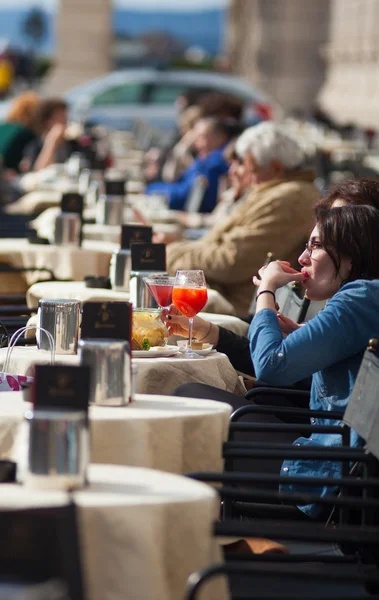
x=115, y=187
x=135, y=233
x=72, y=202
x=107, y=320
x=61, y=386
x=148, y=257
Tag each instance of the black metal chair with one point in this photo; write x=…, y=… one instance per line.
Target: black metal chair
x=349, y=520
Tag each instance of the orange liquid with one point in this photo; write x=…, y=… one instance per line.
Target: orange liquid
x=189, y=301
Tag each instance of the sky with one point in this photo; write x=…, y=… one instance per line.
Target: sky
x=130, y=4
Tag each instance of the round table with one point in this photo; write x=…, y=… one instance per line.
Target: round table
x=141, y=532
x=76, y=290
x=173, y=434
x=65, y=262
x=154, y=375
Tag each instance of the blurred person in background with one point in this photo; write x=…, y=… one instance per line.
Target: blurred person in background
x=274, y=216
x=50, y=147
x=210, y=138
x=221, y=105
x=237, y=185
x=19, y=130
x=168, y=163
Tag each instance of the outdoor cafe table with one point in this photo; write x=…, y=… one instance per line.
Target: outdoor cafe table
x=141, y=532
x=154, y=375
x=173, y=434
x=66, y=262
x=44, y=225
x=78, y=291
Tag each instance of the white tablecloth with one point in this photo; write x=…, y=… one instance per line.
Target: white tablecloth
x=142, y=532
x=154, y=375
x=173, y=434
x=78, y=291
x=65, y=262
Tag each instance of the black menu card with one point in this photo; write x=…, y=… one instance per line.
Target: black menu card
x=135, y=233
x=107, y=320
x=61, y=386
x=115, y=187
x=148, y=257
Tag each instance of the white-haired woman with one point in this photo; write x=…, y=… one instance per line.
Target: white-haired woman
x=273, y=217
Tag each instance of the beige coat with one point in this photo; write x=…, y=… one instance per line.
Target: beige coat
x=275, y=216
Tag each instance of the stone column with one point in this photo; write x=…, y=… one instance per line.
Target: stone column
x=350, y=93
x=84, y=37
x=276, y=44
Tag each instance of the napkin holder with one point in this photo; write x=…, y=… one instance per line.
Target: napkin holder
x=121, y=260
x=110, y=210
x=67, y=230
x=61, y=319
x=110, y=206
x=68, y=224
x=147, y=260
x=58, y=436
x=105, y=348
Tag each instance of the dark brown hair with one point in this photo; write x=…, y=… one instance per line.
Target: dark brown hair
x=353, y=191
x=221, y=105
x=46, y=109
x=351, y=231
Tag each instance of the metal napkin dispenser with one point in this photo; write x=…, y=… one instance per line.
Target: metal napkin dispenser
x=121, y=261
x=61, y=318
x=110, y=207
x=110, y=210
x=58, y=452
x=110, y=365
x=105, y=348
x=147, y=259
x=57, y=428
x=67, y=230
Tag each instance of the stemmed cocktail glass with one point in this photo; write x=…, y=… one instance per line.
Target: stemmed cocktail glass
x=190, y=296
x=160, y=287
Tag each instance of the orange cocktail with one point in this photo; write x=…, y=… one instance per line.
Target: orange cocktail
x=189, y=301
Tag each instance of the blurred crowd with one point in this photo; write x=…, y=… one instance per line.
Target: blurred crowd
x=237, y=192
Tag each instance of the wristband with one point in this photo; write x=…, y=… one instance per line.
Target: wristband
x=272, y=294
x=206, y=335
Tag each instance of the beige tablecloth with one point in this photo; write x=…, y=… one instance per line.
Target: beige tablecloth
x=154, y=375
x=65, y=262
x=173, y=434
x=78, y=291
x=142, y=532
x=44, y=225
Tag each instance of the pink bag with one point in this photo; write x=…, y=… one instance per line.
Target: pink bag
x=10, y=382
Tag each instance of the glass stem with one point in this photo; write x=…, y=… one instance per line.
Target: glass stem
x=190, y=325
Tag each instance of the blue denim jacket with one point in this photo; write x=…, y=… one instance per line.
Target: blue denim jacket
x=330, y=347
x=212, y=167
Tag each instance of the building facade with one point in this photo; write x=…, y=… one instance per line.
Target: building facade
x=276, y=45
x=84, y=43
x=351, y=90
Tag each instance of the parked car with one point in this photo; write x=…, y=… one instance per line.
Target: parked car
x=149, y=94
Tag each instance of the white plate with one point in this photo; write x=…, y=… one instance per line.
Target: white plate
x=200, y=352
x=153, y=353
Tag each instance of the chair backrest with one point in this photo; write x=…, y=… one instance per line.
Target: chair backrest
x=41, y=544
x=362, y=412
x=196, y=195
x=290, y=302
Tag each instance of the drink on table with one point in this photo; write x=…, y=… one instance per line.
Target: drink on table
x=160, y=287
x=190, y=296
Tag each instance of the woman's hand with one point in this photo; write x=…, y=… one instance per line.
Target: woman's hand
x=286, y=325
x=277, y=274
x=178, y=325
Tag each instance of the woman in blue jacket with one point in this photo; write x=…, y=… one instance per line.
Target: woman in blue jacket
x=340, y=264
